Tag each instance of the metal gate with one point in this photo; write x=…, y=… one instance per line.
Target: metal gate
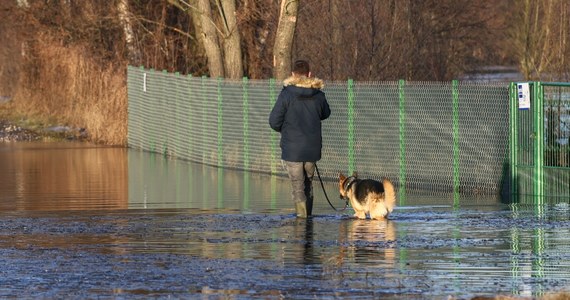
x=539, y=141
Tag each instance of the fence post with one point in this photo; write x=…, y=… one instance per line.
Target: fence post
x=203, y=135
x=246, y=187
x=189, y=113
x=142, y=133
x=153, y=101
x=273, y=136
x=176, y=139
x=455, y=92
x=220, y=123
x=245, y=124
x=402, y=121
x=538, y=118
x=513, y=138
x=350, y=97
x=165, y=138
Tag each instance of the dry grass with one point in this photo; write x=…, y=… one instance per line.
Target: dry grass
x=65, y=86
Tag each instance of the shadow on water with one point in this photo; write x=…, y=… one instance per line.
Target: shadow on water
x=80, y=221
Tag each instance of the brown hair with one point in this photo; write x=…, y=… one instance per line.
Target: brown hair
x=301, y=67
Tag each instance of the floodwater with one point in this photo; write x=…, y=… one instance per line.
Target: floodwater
x=81, y=221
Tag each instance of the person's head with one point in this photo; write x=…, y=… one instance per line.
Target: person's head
x=301, y=68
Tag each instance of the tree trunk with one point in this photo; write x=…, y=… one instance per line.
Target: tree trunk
x=124, y=16
x=23, y=3
x=336, y=40
x=211, y=45
x=195, y=16
x=284, y=38
x=233, y=64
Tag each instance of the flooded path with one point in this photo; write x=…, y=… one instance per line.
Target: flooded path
x=82, y=222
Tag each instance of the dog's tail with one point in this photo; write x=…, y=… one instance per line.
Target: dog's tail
x=389, y=195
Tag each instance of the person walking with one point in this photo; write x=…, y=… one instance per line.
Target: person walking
x=297, y=115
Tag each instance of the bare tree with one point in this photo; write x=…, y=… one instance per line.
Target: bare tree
x=539, y=36
x=359, y=39
x=284, y=38
x=210, y=39
x=230, y=39
x=389, y=39
x=124, y=16
x=219, y=35
x=23, y=3
x=257, y=20
x=336, y=36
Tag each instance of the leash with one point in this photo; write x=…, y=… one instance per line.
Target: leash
x=325, y=192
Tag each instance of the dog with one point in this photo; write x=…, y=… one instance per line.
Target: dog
x=368, y=196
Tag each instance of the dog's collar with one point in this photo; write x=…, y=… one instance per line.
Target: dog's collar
x=348, y=182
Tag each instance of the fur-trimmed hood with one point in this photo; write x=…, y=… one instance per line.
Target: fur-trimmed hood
x=297, y=115
x=304, y=82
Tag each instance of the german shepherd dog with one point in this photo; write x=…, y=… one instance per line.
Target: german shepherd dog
x=368, y=196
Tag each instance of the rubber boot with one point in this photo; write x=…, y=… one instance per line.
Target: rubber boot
x=309, y=206
x=301, y=209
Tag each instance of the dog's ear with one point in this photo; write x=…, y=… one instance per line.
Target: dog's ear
x=340, y=176
x=354, y=174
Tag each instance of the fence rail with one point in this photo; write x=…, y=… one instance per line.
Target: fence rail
x=435, y=136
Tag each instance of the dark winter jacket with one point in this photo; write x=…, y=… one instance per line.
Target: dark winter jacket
x=297, y=115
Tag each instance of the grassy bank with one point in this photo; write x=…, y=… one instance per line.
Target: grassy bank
x=64, y=68
x=67, y=88
x=64, y=86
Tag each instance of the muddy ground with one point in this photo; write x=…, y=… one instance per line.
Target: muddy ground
x=10, y=132
x=13, y=132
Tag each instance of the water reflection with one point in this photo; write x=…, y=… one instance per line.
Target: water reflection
x=157, y=182
x=62, y=176
x=183, y=221
x=77, y=176
x=302, y=249
x=367, y=240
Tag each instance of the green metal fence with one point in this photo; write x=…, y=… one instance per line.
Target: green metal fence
x=540, y=130
x=431, y=136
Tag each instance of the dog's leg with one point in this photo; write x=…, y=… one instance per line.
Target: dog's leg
x=360, y=214
x=378, y=211
x=359, y=211
x=380, y=218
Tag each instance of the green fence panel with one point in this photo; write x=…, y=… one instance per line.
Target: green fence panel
x=435, y=136
x=539, y=143
x=556, y=135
